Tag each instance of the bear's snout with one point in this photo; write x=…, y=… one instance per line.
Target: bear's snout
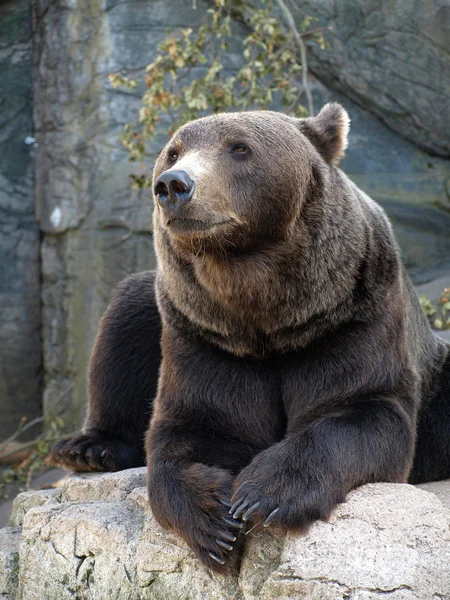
x=174, y=189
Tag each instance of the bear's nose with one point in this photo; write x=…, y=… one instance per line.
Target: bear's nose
x=174, y=189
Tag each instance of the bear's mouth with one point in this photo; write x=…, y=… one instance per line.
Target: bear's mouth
x=185, y=226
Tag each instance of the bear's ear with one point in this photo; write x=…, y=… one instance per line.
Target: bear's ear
x=328, y=132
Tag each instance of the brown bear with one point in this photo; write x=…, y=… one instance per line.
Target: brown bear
x=296, y=361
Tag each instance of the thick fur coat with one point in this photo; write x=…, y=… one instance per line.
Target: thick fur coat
x=296, y=361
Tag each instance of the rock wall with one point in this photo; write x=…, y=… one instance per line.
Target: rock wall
x=95, y=538
x=20, y=343
x=392, y=58
x=96, y=231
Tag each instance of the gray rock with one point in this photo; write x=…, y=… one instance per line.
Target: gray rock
x=391, y=58
x=386, y=541
x=441, y=489
x=25, y=501
x=444, y=335
x=109, y=550
x=433, y=289
x=20, y=344
x=106, y=487
x=9, y=562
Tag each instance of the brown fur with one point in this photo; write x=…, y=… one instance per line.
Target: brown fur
x=296, y=361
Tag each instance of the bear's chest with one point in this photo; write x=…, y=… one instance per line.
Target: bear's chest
x=247, y=312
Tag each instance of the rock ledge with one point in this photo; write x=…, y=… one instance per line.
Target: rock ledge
x=95, y=538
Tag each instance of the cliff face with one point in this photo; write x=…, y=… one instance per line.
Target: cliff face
x=391, y=57
x=93, y=230
x=20, y=343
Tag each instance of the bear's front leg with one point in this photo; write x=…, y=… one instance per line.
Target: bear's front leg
x=213, y=413
x=123, y=374
x=302, y=478
x=193, y=499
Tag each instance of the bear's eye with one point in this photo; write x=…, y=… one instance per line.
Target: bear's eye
x=173, y=155
x=239, y=149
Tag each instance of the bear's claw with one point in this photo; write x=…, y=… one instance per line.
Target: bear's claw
x=271, y=518
x=225, y=535
x=94, y=452
x=218, y=560
x=237, y=492
x=224, y=545
x=253, y=508
x=233, y=523
x=238, y=508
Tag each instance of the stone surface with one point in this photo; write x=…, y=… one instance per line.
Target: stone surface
x=392, y=58
x=99, y=540
x=386, y=541
x=109, y=550
x=434, y=289
x=441, y=489
x=103, y=486
x=9, y=562
x=20, y=344
x=25, y=501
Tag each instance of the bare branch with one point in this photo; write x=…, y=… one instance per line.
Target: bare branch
x=21, y=447
x=129, y=71
x=31, y=444
x=318, y=30
x=23, y=426
x=301, y=45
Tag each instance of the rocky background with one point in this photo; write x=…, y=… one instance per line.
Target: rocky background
x=20, y=304
x=70, y=228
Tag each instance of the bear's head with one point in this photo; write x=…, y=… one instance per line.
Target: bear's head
x=235, y=181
